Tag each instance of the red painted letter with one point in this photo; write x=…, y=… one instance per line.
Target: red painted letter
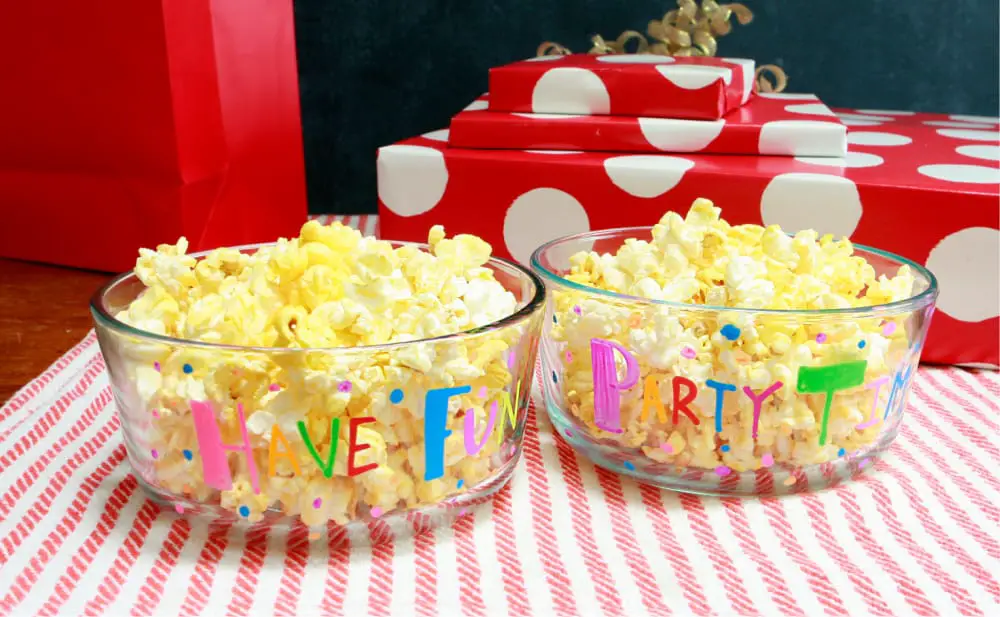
x=681, y=402
x=353, y=447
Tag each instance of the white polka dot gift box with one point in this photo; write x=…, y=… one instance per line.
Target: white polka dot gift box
x=765, y=125
x=921, y=185
x=643, y=85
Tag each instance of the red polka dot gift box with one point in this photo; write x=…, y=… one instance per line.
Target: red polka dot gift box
x=925, y=186
x=765, y=125
x=642, y=85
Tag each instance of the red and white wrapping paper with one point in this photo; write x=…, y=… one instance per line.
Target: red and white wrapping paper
x=642, y=85
x=924, y=186
x=764, y=125
x=914, y=534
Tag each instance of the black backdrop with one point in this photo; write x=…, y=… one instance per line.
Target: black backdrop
x=376, y=71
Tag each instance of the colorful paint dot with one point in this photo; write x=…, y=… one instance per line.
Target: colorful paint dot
x=555, y=319
x=666, y=447
x=179, y=508
x=569, y=433
x=861, y=344
x=188, y=369
x=555, y=378
x=569, y=356
x=689, y=353
x=463, y=512
x=841, y=452
x=511, y=359
x=376, y=511
x=513, y=449
x=314, y=536
x=461, y=483
x=629, y=465
x=274, y=387
x=156, y=414
x=345, y=386
x=317, y=503
x=482, y=392
x=863, y=464
x=578, y=310
x=821, y=338
x=790, y=480
x=156, y=367
x=767, y=460
x=730, y=331
x=889, y=328
x=725, y=447
x=244, y=511
x=396, y=396
x=722, y=471
x=188, y=455
x=155, y=453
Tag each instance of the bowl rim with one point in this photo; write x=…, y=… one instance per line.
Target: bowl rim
x=103, y=317
x=919, y=301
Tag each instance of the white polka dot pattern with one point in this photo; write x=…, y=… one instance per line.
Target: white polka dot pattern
x=970, y=134
x=694, y=77
x=975, y=174
x=438, y=135
x=672, y=135
x=797, y=201
x=411, y=179
x=968, y=272
x=538, y=216
x=635, y=59
x=852, y=159
x=802, y=137
x=816, y=109
x=570, y=90
x=877, y=138
x=989, y=153
x=646, y=176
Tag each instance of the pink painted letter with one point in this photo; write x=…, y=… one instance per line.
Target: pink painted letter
x=471, y=447
x=758, y=400
x=215, y=467
x=877, y=384
x=607, y=403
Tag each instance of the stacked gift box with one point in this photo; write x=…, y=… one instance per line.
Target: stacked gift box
x=566, y=144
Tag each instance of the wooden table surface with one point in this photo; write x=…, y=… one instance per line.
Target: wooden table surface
x=43, y=312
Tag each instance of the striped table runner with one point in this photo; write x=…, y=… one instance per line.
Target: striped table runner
x=917, y=535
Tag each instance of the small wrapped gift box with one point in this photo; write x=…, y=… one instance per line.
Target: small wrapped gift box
x=924, y=186
x=641, y=85
x=765, y=125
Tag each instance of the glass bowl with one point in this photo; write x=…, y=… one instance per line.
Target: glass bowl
x=725, y=401
x=425, y=428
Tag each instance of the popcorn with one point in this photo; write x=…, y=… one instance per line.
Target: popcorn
x=322, y=434
x=721, y=389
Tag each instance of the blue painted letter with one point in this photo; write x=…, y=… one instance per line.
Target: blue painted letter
x=720, y=393
x=436, y=428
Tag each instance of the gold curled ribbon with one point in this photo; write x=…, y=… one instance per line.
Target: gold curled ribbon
x=692, y=29
x=764, y=84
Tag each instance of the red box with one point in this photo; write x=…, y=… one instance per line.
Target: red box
x=765, y=125
x=642, y=85
x=128, y=124
x=921, y=185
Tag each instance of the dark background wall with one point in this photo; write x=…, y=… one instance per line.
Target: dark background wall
x=376, y=71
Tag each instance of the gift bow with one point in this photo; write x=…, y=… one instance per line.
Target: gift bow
x=689, y=30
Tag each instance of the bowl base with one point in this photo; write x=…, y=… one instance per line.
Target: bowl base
x=774, y=481
x=358, y=533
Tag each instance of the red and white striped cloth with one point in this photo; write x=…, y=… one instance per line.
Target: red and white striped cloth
x=917, y=535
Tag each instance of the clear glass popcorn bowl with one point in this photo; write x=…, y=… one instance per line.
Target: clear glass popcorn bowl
x=425, y=429
x=719, y=400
